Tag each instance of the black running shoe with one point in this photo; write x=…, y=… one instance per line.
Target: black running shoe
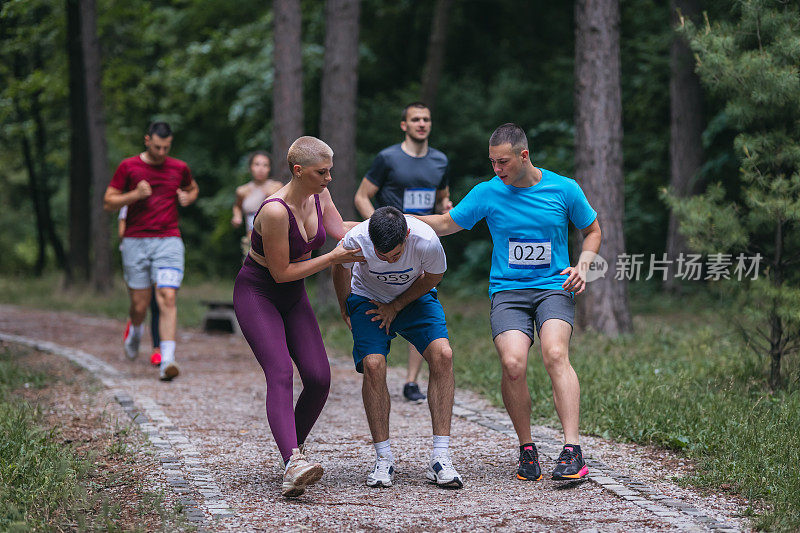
x=529, y=468
x=412, y=394
x=570, y=463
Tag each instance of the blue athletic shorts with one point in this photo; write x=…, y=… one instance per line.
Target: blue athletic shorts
x=420, y=323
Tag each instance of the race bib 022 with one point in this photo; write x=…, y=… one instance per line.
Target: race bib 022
x=419, y=200
x=529, y=253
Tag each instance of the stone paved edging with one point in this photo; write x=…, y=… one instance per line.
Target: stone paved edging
x=205, y=506
x=680, y=514
x=194, y=486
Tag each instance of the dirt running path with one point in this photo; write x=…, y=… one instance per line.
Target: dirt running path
x=216, y=408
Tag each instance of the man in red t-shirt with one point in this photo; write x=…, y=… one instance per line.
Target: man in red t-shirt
x=152, y=185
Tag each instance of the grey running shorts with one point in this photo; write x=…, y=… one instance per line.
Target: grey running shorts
x=152, y=261
x=521, y=309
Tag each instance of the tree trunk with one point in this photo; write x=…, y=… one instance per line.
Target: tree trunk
x=686, y=129
x=338, y=115
x=98, y=153
x=33, y=188
x=80, y=168
x=287, y=89
x=36, y=164
x=776, y=334
x=598, y=154
x=44, y=189
x=436, y=48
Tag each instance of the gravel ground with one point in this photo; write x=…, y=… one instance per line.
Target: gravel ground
x=218, y=403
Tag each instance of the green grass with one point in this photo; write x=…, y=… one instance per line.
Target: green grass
x=45, y=484
x=684, y=381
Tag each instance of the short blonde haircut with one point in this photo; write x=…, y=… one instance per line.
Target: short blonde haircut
x=306, y=151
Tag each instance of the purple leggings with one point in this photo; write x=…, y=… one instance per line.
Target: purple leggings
x=279, y=325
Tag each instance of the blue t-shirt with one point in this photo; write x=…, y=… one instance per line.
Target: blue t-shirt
x=406, y=182
x=528, y=227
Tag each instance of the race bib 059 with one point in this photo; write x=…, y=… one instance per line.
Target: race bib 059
x=397, y=277
x=419, y=200
x=529, y=253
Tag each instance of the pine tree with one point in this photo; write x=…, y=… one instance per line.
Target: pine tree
x=753, y=63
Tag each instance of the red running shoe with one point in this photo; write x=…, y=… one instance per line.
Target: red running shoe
x=129, y=342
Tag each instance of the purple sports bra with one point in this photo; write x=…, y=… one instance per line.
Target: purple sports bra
x=298, y=246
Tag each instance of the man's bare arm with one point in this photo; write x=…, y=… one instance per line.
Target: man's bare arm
x=576, y=280
x=341, y=284
x=442, y=224
x=443, y=203
x=387, y=312
x=114, y=199
x=364, y=195
x=187, y=195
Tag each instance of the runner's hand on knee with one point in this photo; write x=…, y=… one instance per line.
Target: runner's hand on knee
x=386, y=313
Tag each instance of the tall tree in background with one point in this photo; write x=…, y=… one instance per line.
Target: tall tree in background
x=432, y=71
x=80, y=164
x=31, y=72
x=98, y=152
x=687, y=123
x=37, y=167
x=287, y=90
x=598, y=154
x=752, y=63
x=337, y=125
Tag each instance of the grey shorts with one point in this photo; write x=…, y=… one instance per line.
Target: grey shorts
x=152, y=261
x=522, y=309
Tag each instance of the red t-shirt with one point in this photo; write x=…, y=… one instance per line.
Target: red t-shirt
x=156, y=215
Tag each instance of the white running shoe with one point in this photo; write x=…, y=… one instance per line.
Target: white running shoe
x=168, y=370
x=130, y=342
x=383, y=473
x=441, y=471
x=299, y=474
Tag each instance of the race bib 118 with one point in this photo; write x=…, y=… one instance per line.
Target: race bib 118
x=419, y=200
x=529, y=253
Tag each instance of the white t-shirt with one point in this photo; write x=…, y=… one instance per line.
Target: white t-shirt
x=382, y=281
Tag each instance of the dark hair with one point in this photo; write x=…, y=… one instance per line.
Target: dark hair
x=254, y=154
x=512, y=134
x=418, y=105
x=387, y=228
x=161, y=129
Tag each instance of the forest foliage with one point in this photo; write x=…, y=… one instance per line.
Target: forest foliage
x=206, y=67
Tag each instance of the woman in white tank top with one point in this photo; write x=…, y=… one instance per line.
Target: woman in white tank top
x=250, y=195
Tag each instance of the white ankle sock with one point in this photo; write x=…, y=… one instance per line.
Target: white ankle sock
x=136, y=331
x=441, y=445
x=384, y=449
x=167, y=351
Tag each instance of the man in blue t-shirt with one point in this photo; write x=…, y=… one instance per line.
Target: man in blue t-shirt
x=531, y=283
x=412, y=177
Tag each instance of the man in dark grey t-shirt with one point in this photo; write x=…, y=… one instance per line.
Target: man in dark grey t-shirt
x=412, y=177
